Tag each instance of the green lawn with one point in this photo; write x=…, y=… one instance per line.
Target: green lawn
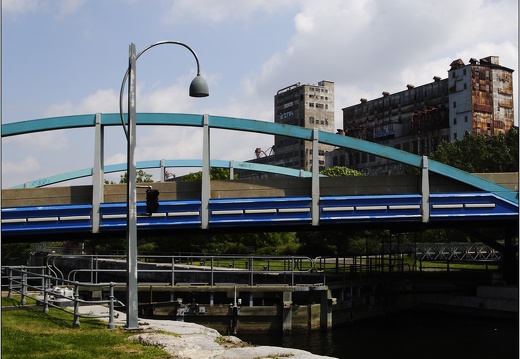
x=27, y=332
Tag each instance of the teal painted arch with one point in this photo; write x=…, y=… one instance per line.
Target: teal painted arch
x=141, y=165
x=257, y=126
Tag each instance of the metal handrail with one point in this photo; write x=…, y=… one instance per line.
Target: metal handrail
x=19, y=282
x=209, y=265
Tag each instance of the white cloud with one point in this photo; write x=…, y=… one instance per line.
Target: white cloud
x=304, y=23
x=21, y=6
x=372, y=46
x=104, y=100
x=27, y=166
x=69, y=6
x=42, y=142
x=223, y=10
x=364, y=46
x=61, y=8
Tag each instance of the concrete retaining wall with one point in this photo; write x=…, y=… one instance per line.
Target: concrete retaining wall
x=274, y=187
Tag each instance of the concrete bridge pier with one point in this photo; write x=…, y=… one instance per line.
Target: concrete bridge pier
x=287, y=312
x=327, y=301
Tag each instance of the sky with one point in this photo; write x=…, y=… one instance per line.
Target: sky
x=69, y=57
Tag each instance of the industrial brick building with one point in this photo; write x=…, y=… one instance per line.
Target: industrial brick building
x=476, y=97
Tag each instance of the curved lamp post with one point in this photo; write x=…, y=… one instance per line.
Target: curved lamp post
x=198, y=88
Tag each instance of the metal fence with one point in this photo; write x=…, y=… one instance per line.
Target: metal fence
x=51, y=291
x=169, y=269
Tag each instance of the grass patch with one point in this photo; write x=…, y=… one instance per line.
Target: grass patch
x=15, y=301
x=27, y=332
x=442, y=265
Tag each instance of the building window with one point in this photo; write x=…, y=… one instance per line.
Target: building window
x=464, y=72
x=465, y=86
x=455, y=136
x=455, y=121
x=454, y=104
x=311, y=119
x=311, y=104
x=465, y=118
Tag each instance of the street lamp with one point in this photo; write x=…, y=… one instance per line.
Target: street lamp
x=198, y=88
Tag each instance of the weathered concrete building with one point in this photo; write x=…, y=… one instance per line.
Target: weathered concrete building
x=309, y=106
x=476, y=98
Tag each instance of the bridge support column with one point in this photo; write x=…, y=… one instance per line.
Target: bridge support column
x=163, y=177
x=205, y=190
x=425, y=191
x=287, y=312
x=326, y=310
x=315, y=206
x=231, y=170
x=98, y=174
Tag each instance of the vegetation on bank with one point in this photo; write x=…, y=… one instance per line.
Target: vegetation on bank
x=477, y=153
x=27, y=332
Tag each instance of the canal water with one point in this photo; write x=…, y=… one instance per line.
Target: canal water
x=417, y=334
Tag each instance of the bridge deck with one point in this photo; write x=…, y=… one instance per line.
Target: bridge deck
x=254, y=204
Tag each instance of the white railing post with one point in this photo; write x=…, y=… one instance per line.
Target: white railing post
x=98, y=174
x=315, y=205
x=425, y=191
x=205, y=190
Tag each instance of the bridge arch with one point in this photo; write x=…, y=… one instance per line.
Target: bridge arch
x=162, y=163
x=249, y=125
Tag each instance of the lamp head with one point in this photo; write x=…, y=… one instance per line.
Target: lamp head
x=199, y=87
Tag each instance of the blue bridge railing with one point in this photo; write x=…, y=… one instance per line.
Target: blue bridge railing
x=261, y=212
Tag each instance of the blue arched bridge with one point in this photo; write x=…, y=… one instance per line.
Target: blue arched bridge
x=439, y=195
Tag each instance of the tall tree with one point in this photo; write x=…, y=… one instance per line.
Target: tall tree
x=340, y=171
x=214, y=174
x=141, y=177
x=480, y=154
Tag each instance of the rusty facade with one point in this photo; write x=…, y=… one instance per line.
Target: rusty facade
x=476, y=98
